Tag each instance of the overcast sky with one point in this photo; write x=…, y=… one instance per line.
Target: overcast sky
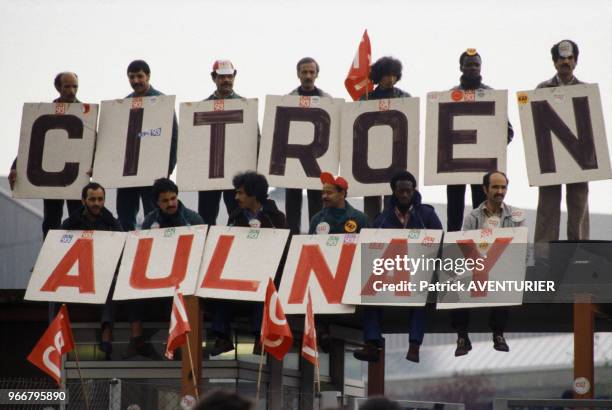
x=264, y=39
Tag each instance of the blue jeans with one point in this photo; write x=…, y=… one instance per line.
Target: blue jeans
x=372, y=317
x=128, y=204
x=208, y=204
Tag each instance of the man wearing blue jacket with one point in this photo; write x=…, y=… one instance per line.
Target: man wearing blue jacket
x=405, y=211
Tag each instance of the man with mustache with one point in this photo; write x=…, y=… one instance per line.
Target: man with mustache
x=492, y=213
x=223, y=75
x=170, y=213
x=470, y=64
x=92, y=215
x=307, y=72
x=565, y=58
x=67, y=85
x=139, y=76
x=254, y=210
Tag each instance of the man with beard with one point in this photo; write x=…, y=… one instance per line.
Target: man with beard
x=405, y=212
x=307, y=72
x=139, y=76
x=565, y=58
x=92, y=215
x=223, y=75
x=385, y=73
x=67, y=85
x=254, y=210
x=470, y=65
x=170, y=213
x=492, y=213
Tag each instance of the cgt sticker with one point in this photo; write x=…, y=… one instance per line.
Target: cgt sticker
x=350, y=226
x=522, y=98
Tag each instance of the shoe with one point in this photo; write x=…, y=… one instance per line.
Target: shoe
x=257, y=347
x=221, y=345
x=463, y=346
x=370, y=352
x=413, y=352
x=325, y=342
x=107, y=349
x=499, y=343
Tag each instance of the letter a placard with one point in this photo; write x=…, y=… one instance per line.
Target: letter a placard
x=156, y=261
x=564, y=135
x=75, y=266
x=56, y=149
x=321, y=263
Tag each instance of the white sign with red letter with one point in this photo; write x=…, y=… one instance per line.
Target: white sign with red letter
x=238, y=261
x=218, y=140
x=75, y=266
x=378, y=138
x=156, y=261
x=377, y=285
x=321, y=263
x=134, y=141
x=56, y=149
x=301, y=138
x=497, y=267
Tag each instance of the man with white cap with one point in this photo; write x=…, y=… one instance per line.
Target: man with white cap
x=565, y=58
x=223, y=75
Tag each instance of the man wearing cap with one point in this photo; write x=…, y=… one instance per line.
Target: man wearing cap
x=254, y=210
x=223, y=75
x=128, y=199
x=385, y=73
x=565, y=58
x=470, y=64
x=67, y=85
x=492, y=213
x=337, y=215
x=307, y=72
x=405, y=212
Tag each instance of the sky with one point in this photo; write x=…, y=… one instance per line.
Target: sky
x=264, y=39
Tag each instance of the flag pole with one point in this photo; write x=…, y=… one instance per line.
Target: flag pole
x=261, y=359
x=76, y=356
x=318, y=376
x=193, y=376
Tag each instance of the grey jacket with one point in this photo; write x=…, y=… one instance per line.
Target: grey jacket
x=320, y=92
x=511, y=217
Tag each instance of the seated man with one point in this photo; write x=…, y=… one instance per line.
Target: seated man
x=92, y=215
x=254, y=210
x=170, y=213
x=492, y=213
x=405, y=212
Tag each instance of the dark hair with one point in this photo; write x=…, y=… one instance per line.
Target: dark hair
x=487, y=177
x=384, y=66
x=402, y=176
x=162, y=185
x=380, y=403
x=139, y=65
x=465, y=55
x=91, y=185
x=307, y=60
x=222, y=400
x=57, y=82
x=555, y=50
x=254, y=184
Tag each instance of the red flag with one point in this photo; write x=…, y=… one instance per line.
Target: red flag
x=276, y=337
x=179, y=325
x=309, y=340
x=57, y=340
x=358, y=81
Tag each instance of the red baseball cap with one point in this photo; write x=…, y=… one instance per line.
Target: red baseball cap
x=223, y=67
x=328, y=178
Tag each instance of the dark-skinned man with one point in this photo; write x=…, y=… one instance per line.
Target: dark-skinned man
x=565, y=58
x=254, y=210
x=405, y=211
x=128, y=199
x=385, y=73
x=67, y=85
x=492, y=213
x=223, y=75
x=307, y=73
x=470, y=64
